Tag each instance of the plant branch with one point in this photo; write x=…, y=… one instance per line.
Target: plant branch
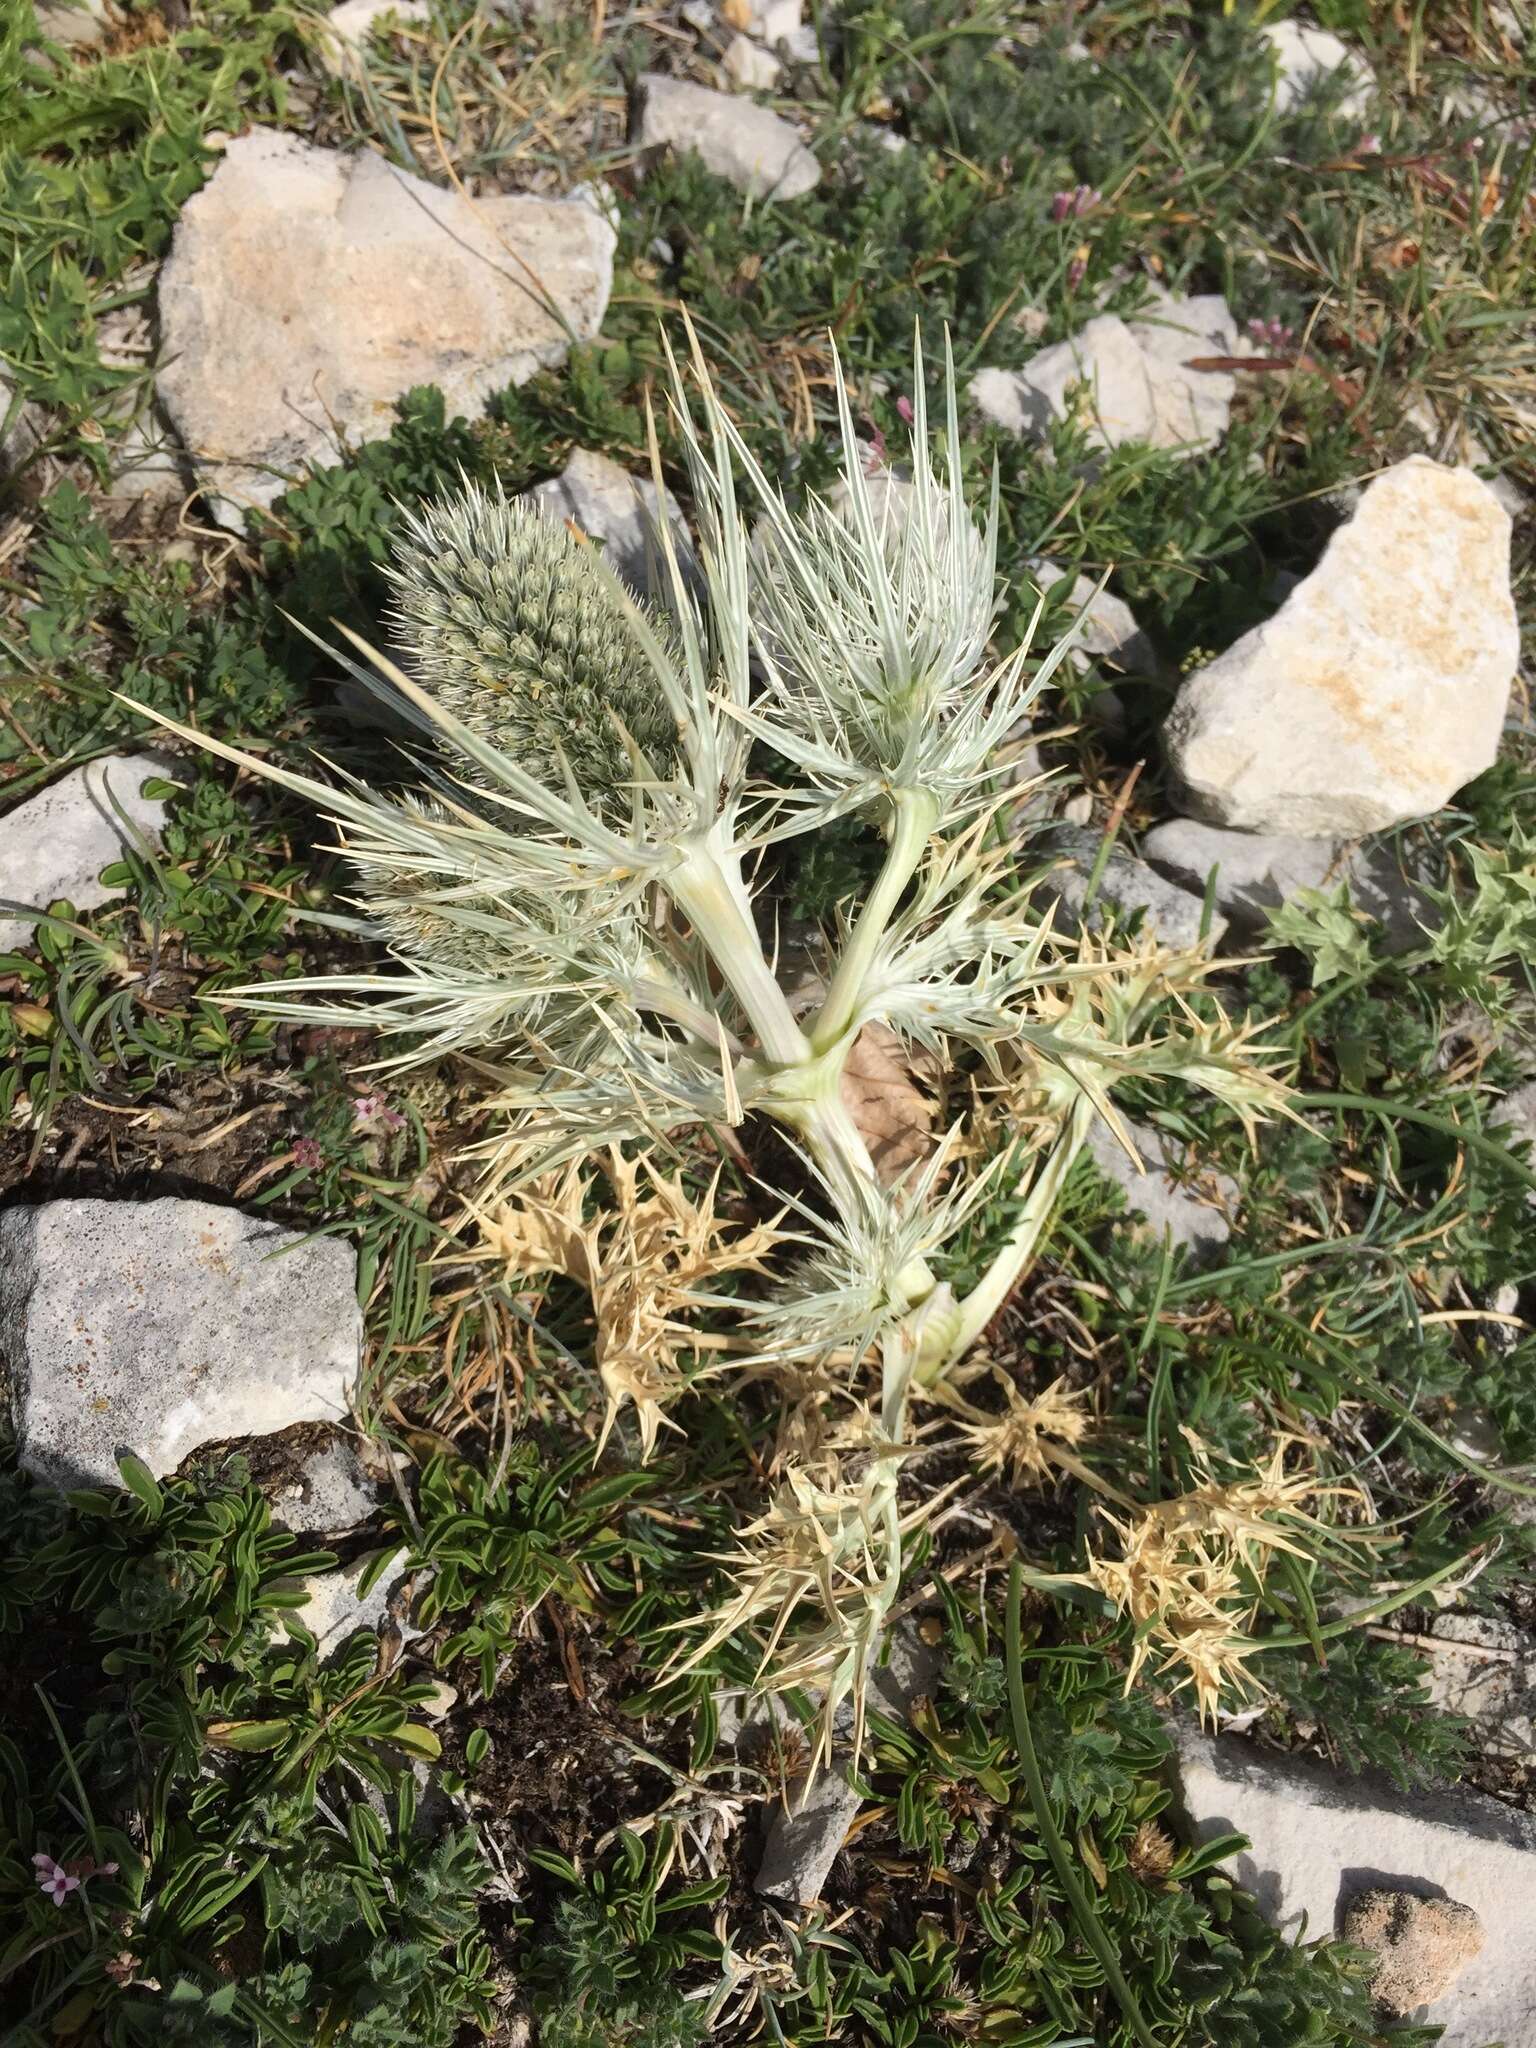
x=916, y=814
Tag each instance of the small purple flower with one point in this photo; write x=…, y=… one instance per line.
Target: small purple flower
x=1271, y=333
x=904, y=410
x=1369, y=144
x=1074, y=204
x=373, y=1113
x=1077, y=269
x=307, y=1153
x=54, y=1879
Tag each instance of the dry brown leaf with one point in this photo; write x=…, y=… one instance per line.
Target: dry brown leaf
x=882, y=1093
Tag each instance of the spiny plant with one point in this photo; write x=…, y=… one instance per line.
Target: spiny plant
x=570, y=893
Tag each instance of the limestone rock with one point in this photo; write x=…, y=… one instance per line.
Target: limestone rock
x=1140, y=386
x=1480, y=1667
x=1380, y=685
x=1422, y=1945
x=807, y=1832
x=1125, y=885
x=331, y=1491
x=22, y=434
x=749, y=146
x=1107, y=627
x=1193, y=1211
x=342, y=37
x=1307, y=58
x=1256, y=872
x=750, y=66
x=78, y=26
x=1318, y=1839
x=306, y=290
x=160, y=1326
x=618, y=513
x=770, y=21
x=335, y=1606
x=55, y=844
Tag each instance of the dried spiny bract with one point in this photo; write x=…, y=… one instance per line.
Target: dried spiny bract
x=1035, y=1436
x=509, y=622
x=1191, y=1571
x=646, y=1262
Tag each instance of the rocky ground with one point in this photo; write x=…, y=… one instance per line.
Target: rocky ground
x=340, y=1701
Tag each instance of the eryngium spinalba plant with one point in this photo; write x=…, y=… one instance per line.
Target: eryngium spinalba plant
x=569, y=896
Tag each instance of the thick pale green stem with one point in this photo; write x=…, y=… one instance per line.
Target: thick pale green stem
x=1002, y=1275
x=708, y=889
x=915, y=815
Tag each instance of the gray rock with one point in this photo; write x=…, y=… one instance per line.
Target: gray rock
x=331, y=1491
x=1107, y=628
x=1422, y=1945
x=1486, y=1670
x=1139, y=383
x=749, y=146
x=306, y=290
x=149, y=466
x=1307, y=58
x=1378, y=688
x=618, y=512
x=1318, y=1840
x=335, y=1607
x=22, y=435
x=805, y=1834
x=1257, y=872
x=1126, y=885
x=77, y=27
x=56, y=843
x=1194, y=1211
x=771, y=21
x=164, y=1325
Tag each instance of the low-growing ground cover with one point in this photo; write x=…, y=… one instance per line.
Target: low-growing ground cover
x=515, y=1810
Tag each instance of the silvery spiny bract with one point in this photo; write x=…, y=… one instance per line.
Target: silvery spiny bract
x=571, y=897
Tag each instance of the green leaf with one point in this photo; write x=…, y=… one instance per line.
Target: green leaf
x=141, y=1482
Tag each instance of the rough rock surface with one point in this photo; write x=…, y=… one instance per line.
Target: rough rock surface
x=23, y=433
x=618, y=513
x=1306, y=58
x=1380, y=685
x=331, y=1491
x=56, y=843
x=306, y=290
x=1125, y=885
x=1480, y=1667
x=1319, y=1839
x=751, y=147
x=805, y=1835
x=335, y=1607
x=1422, y=1945
x=1192, y=1209
x=1140, y=384
x=1256, y=872
x=159, y=1326
x=1108, y=630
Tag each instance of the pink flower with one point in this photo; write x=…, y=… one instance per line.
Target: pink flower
x=1074, y=204
x=874, y=453
x=904, y=410
x=54, y=1879
x=372, y=1112
x=1076, y=271
x=307, y=1153
x=1272, y=333
x=1369, y=144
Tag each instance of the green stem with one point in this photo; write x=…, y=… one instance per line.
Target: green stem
x=1061, y=1858
x=1002, y=1275
x=715, y=902
x=1473, y=1140
x=916, y=814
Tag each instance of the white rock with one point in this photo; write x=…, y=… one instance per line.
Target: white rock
x=331, y=1491
x=1139, y=384
x=341, y=39
x=770, y=21
x=750, y=66
x=1421, y=1945
x=1257, y=872
x=21, y=436
x=160, y=1326
x=1486, y=1670
x=306, y=290
x=1125, y=885
x=1107, y=630
x=1318, y=1840
x=1193, y=1209
x=78, y=27
x=751, y=147
x=55, y=844
x=335, y=1607
x=617, y=512
x=149, y=466
x=1380, y=685
x=1307, y=57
